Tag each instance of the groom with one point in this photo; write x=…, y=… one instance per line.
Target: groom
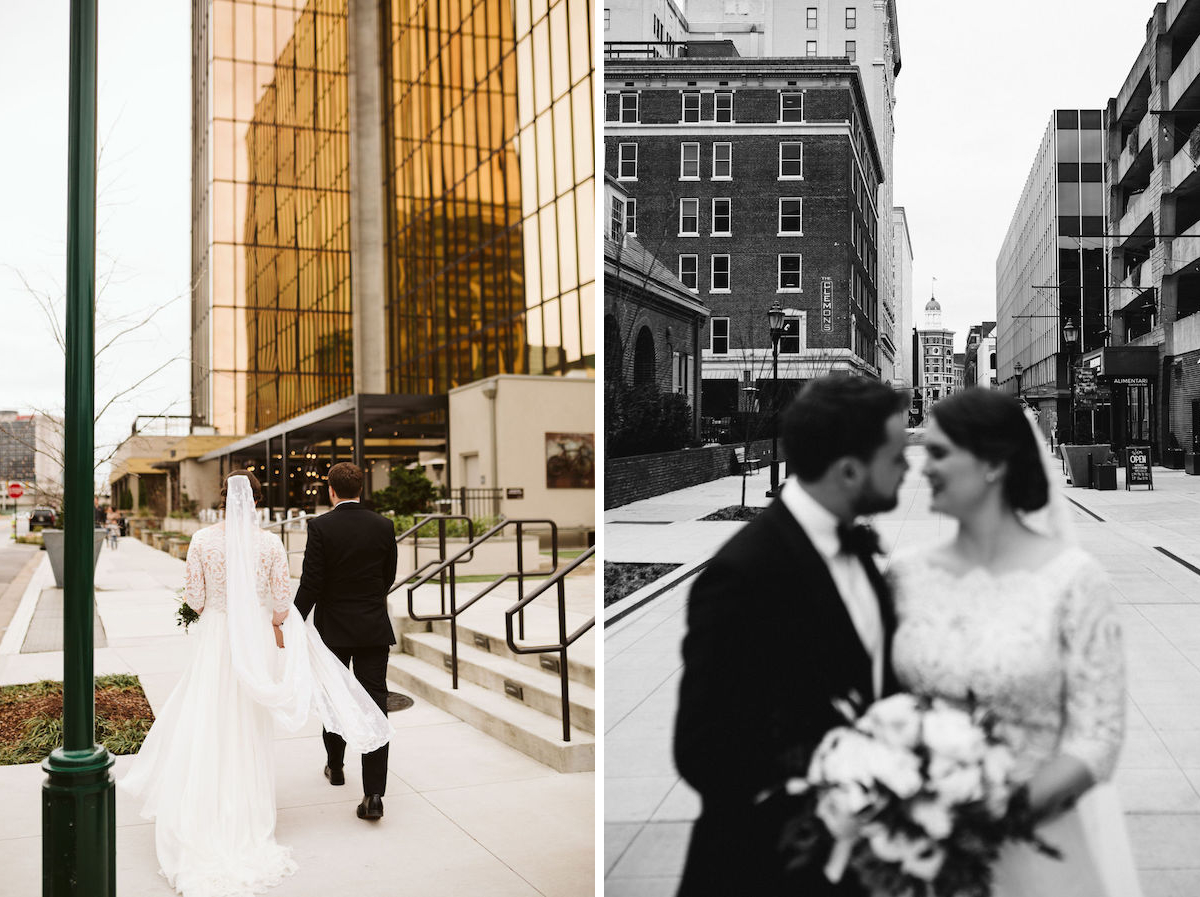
x=789, y=615
x=349, y=565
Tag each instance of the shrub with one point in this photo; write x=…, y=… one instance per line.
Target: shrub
x=639, y=420
x=408, y=492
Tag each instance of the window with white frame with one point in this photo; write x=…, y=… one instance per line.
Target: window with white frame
x=791, y=161
x=607, y=19
x=689, y=161
x=851, y=17
x=691, y=106
x=627, y=162
x=719, y=280
x=852, y=50
x=810, y=17
x=789, y=273
x=792, y=340
x=723, y=105
x=617, y=222
x=689, y=217
x=683, y=373
x=722, y=167
x=718, y=336
x=790, y=216
x=629, y=107
x=631, y=217
x=689, y=272
x=791, y=106
x=810, y=48
x=722, y=217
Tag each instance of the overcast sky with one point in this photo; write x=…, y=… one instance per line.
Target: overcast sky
x=144, y=202
x=974, y=97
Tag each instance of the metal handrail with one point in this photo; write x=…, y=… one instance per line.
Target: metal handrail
x=564, y=640
x=270, y=524
x=456, y=608
x=446, y=573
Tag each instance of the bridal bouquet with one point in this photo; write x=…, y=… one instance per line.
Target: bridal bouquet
x=917, y=798
x=185, y=616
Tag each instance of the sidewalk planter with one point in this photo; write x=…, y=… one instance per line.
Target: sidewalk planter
x=1077, y=461
x=1105, y=477
x=53, y=540
x=1173, y=459
x=178, y=547
x=1191, y=463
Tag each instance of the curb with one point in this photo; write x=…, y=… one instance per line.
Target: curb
x=647, y=593
x=14, y=635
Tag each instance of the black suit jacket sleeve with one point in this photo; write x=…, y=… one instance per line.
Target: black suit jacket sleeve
x=312, y=579
x=389, y=561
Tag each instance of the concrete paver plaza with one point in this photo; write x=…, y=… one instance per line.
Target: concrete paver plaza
x=648, y=809
x=464, y=813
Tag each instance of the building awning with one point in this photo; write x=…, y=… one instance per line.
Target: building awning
x=1124, y=361
x=135, y=466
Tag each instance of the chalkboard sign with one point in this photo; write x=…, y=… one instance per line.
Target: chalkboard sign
x=1137, y=467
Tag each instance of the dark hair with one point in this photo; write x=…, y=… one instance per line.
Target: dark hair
x=255, y=485
x=835, y=417
x=992, y=426
x=346, y=479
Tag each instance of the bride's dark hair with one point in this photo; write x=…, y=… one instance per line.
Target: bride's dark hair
x=992, y=426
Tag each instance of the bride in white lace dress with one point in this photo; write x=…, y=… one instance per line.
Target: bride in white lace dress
x=206, y=772
x=1014, y=616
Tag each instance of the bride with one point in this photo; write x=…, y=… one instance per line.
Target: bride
x=1012, y=614
x=206, y=772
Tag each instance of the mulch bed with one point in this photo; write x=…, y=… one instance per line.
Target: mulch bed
x=123, y=716
x=625, y=579
x=735, y=512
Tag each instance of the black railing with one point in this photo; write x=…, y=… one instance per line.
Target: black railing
x=286, y=529
x=644, y=49
x=480, y=502
x=564, y=641
x=519, y=575
x=446, y=572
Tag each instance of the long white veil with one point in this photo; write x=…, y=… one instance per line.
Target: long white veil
x=1054, y=519
x=304, y=675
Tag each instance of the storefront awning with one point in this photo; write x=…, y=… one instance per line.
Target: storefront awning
x=1124, y=361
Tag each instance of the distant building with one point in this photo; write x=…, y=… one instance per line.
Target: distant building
x=902, y=290
x=31, y=452
x=935, y=354
x=979, y=358
x=957, y=372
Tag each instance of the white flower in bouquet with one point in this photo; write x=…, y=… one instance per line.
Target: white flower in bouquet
x=896, y=721
x=926, y=863
x=934, y=818
x=841, y=757
x=951, y=733
x=896, y=769
x=840, y=807
x=998, y=764
x=955, y=783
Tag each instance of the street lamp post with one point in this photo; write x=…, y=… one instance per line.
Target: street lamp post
x=775, y=321
x=1070, y=334
x=78, y=797
x=1017, y=369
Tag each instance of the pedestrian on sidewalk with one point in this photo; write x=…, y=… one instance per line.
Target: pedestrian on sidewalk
x=206, y=771
x=349, y=568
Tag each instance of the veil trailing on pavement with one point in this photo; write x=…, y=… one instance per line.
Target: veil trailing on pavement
x=1054, y=519
x=304, y=675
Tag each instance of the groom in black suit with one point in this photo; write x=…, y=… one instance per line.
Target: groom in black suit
x=349, y=565
x=789, y=615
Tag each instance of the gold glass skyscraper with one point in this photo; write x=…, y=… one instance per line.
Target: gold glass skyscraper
x=486, y=199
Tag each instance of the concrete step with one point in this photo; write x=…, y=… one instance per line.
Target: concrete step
x=527, y=730
x=538, y=689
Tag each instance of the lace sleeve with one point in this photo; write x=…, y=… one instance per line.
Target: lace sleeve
x=193, y=578
x=1094, y=712
x=279, y=580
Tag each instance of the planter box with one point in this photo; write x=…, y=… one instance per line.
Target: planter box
x=1173, y=459
x=1077, y=457
x=178, y=548
x=1191, y=463
x=1104, y=477
x=53, y=540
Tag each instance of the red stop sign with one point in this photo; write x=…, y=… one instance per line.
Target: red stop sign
x=15, y=490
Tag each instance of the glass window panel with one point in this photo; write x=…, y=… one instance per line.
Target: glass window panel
x=1068, y=199
x=585, y=223
x=541, y=52
x=571, y=337
x=1068, y=145
x=222, y=29
x=568, y=247
x=548, y=222
x=587, y=314
x=563, y=155
x=581, y=34
x=1067, y=119
x=1091, y=146
x=581, y=105
x=560, y=64
x=1091, y=199
x=243, y=31
x=543, y=159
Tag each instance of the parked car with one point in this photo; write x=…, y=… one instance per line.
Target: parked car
x=42, y=518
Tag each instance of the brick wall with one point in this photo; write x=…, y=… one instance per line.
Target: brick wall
x=645, y=476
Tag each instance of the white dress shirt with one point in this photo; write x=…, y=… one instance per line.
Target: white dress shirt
x=847, y=571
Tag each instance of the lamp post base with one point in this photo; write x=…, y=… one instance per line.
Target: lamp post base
x=79, y=824
x=774, y=490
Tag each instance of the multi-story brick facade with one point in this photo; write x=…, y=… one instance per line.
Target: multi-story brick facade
x=756, y=179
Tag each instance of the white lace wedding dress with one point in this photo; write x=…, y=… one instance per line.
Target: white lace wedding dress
x=206, y=771
x=1043, y=650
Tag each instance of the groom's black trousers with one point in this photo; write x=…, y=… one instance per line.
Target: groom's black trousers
x=370, y=669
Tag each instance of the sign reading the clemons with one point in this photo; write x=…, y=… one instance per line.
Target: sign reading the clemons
x=826, y=304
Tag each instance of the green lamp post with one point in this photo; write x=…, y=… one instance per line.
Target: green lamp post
x=78, y=796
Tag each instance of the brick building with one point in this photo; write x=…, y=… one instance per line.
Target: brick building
x=755, y=179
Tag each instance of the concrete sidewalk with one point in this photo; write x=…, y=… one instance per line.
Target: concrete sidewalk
x=648, y=808
x=464, y=813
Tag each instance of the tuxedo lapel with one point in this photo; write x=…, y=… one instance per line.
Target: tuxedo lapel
x=818, y=603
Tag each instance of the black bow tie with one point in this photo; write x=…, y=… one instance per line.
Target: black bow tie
x=859, y=540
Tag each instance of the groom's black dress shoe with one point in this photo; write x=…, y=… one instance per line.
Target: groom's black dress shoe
x=371, y=807
x=335, y=776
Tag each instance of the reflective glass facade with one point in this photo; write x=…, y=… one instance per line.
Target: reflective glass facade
x=489, y=188
x=272, y=317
